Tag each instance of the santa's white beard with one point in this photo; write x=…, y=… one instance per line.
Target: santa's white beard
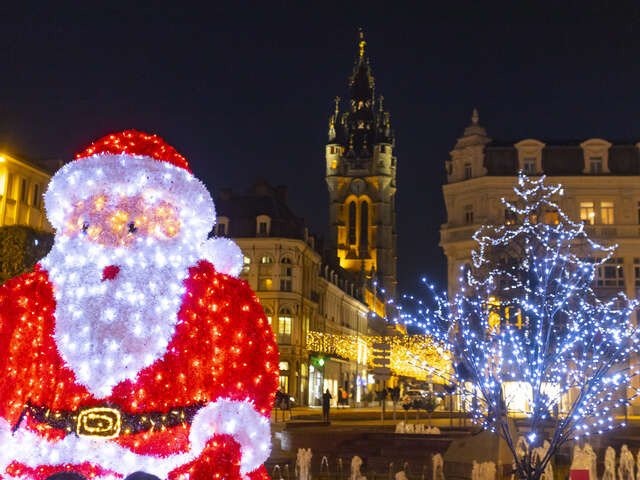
x=108, y=331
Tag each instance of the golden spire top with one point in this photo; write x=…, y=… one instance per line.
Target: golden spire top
x=337, y=100
x=361, y=43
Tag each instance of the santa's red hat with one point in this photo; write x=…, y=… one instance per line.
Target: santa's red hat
x=126, y=164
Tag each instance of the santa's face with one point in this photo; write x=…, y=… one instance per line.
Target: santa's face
x=117, y=268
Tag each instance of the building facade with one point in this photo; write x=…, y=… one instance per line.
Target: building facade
x=22, y=184
x=298, y=292
x=601, y=181
x=361, y=171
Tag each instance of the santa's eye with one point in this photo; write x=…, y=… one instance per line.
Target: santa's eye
x=85, y=227
x=132, y=228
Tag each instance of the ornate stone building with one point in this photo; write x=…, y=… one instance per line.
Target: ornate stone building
x=361, y=177
x=602, y=188
x=297, y=291
x=22, y=183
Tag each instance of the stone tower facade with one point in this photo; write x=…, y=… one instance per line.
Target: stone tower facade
x=361, y=177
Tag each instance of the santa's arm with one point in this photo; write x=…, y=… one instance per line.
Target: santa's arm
x=244, y=364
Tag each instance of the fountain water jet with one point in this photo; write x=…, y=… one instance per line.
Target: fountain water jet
x=303, y=463
x=626, y=468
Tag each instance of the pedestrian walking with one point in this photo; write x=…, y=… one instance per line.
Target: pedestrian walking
x=326, y=405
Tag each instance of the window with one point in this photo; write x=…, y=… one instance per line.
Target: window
x=284, y=329
x=286, y=260
x=266, y=259
x=284, y=382
x=468, y=214
x=265, y=284
x=23, y=191
x=383, y=148
x=510, y=216
x=263, y=225
x=36, y=196
x=246, y=264
x=352, y=223
x=587, y=213
x=636, y=271
x=283, y=366
x=334, y=164
x=364, y=224
x=551, y=217
x=611, y=273
x=467, y=171
x=595, y=165
x=285, y=284
x=529, y=165
x=606, y=213
x=11, y=187
x=221, y=229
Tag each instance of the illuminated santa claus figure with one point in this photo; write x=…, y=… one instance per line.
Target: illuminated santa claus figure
x=131, y=347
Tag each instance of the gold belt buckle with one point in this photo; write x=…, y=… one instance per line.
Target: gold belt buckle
x=103, y=422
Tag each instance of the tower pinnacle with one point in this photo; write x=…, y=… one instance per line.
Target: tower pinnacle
x=361, y=43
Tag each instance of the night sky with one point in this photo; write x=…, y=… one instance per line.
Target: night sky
x=245, y=92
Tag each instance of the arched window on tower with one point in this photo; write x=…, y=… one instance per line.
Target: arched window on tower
x=352, y=223
x=364, y=224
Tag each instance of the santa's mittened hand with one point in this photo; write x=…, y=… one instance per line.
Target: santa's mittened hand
x=220, y=459
x=242, y=422
x=224, y=254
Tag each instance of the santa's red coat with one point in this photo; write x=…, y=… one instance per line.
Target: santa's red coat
x=223, y=346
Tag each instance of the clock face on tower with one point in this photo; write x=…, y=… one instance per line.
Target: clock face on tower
x=357, y=186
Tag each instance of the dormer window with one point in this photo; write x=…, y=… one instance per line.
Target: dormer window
x=596, y=156
x=263, y=225
x=595, y=165
x=222, y=227
x=530, y=156
x=529, y=166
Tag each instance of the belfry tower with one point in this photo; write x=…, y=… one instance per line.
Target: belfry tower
x=361, y=177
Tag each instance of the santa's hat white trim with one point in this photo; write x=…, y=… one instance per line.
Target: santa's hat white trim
x=128, y=175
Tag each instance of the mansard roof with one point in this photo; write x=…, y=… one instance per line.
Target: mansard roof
x=243, y=208
x=561, y=157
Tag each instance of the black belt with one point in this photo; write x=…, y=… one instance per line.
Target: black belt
x=108, y=421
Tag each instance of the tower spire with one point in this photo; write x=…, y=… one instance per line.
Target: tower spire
x=361, y=42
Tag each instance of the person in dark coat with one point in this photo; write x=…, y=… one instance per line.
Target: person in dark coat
x=326, y=404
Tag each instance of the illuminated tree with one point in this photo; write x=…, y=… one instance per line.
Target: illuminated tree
x=530, y=335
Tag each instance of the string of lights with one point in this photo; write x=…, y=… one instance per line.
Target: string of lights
x=408, y=357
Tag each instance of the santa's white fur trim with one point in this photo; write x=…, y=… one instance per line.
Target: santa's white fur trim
x=130, y=175
x=224, y=254
x=238, y=419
